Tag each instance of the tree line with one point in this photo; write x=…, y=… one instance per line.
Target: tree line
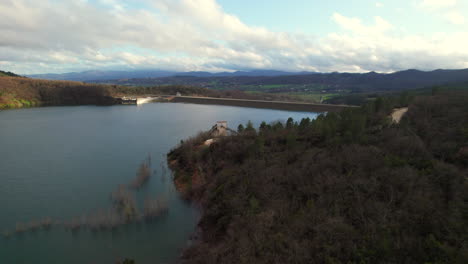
x=348, y=187
x=25, y=92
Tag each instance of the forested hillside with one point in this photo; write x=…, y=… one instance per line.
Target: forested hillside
x=313, y=82
x=21, y=92
x=24, y=92
x=314, y=87
x=4, y=73
x=349, y=187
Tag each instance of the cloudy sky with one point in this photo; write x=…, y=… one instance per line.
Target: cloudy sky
x=55, y=36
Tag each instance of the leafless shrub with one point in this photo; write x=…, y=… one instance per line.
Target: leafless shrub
x=6, y=234
x=143, y=174
x=46, y=223
x=124, y=211
x=73, y=225
x=125, y=203
x=104, y=220
x=155, y=208
x=33, y=226
x=20, y=228
x=163, y=172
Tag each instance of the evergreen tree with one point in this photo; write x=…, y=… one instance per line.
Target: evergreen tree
x=240, y=128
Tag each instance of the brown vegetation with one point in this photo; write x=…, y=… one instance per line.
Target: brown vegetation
x=125, y=203
x=188, y=179
x=155, y=208
x=21, y=92
x=102, y=220
x=143, y=174
x=26, y=92
x=124, y=210
x=348, y=187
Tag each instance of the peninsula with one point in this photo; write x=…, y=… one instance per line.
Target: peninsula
x=348, y=187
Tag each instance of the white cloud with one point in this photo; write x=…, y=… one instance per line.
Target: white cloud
x=455, y=17
x=379, y=4
x=356, y=25
x=186, y=35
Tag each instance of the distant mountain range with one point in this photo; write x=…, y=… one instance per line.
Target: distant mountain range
x=408, y=79
x=116, y=75
x=274, y=81
x=330, y=82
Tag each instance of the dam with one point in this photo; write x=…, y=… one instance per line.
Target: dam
x=145, y=100
x=279, y=105
x=137, y=100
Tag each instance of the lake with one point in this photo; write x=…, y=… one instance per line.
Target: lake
x=64, y=163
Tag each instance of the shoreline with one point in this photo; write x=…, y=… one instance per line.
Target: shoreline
x=273, y=105
x=303, y=184
x=278, y=105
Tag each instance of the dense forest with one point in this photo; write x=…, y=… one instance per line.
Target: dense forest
x=348, y=187
x=362, y=98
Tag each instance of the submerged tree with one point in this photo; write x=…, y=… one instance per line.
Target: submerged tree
x=154, y=208
x=124, y=210
x=143, y=174
x=163, y=172
x=125, y=203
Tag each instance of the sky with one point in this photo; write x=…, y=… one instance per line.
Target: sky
x=57, y=36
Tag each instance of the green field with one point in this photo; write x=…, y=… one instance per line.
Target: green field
x=315, y=93
x=312, y=97
x=262, y=87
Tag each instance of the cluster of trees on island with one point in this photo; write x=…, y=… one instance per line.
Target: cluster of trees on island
x=124, y=210
x=348, y=187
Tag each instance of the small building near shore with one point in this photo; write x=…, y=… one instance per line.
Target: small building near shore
x=220, y=129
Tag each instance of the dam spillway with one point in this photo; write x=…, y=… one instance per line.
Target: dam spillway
x=145, y=100
x=137, y=101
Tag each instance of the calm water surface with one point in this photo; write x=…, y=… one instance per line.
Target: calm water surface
x=63, y=162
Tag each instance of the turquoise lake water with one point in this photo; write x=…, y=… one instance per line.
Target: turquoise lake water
x=64, y=162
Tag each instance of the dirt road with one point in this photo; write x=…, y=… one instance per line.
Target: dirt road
x=398, y=113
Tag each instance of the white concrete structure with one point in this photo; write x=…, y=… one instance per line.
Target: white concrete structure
x=220, y=129
x=145, y=100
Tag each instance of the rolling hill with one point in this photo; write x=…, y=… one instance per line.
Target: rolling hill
x=331, y=82
x=99, y=75
x=4, y=73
